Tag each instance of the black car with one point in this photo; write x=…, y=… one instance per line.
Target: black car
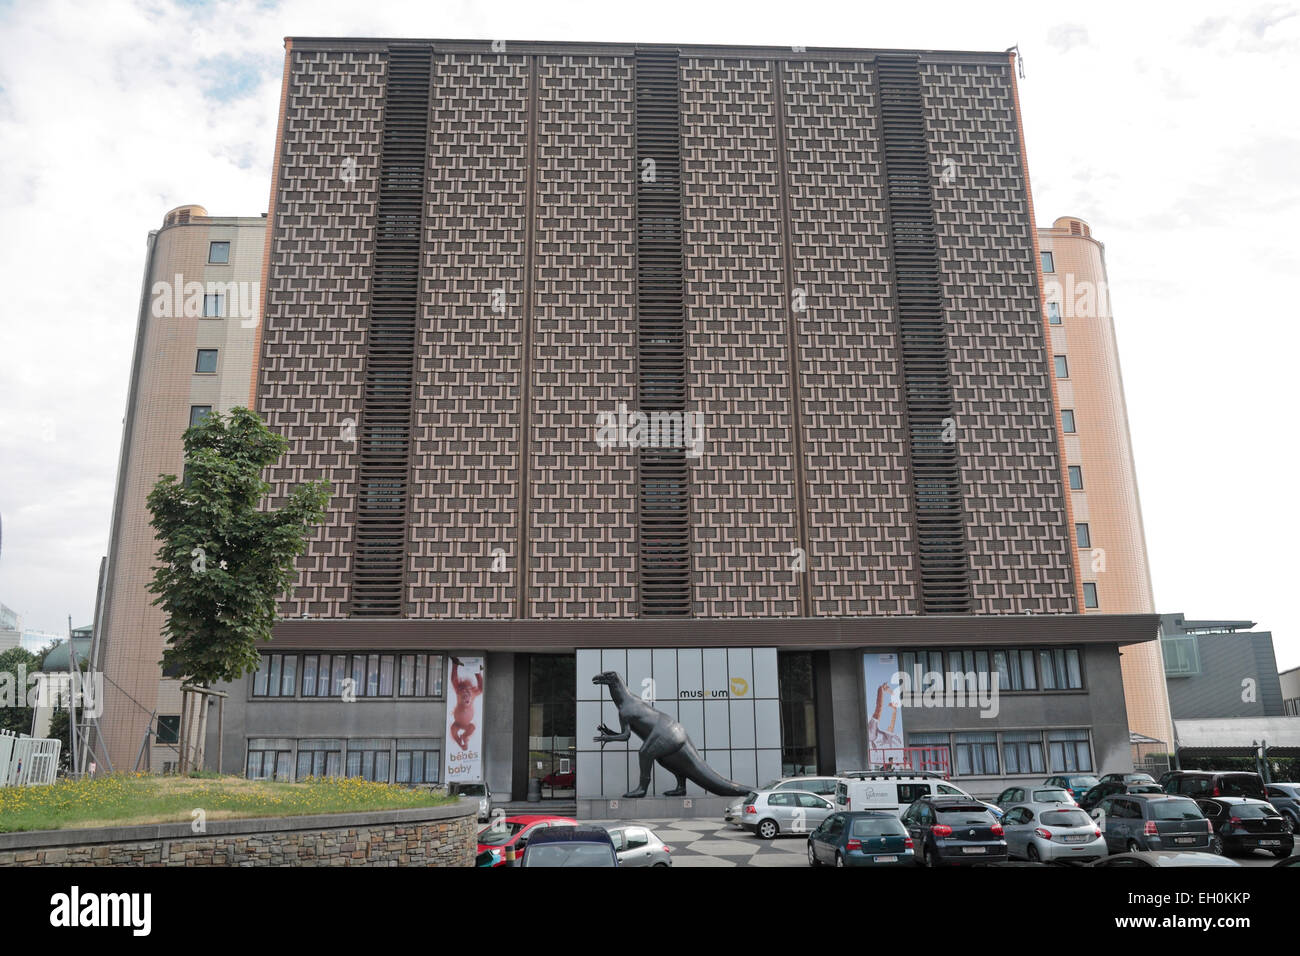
x=1285, y=798
x=1214, y=783
x=571, y=846
x=1243, y=825
x=1134, y=777
x=954, y=831
x=1110, y=787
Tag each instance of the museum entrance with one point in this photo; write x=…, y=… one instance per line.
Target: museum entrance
x=552, y=725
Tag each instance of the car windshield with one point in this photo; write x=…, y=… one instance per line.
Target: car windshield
x=569, y=854
x=1052, y=795
x=1139, y=778
x=1251, y=811
x=875, y=827
x=964, y=816
x=1083, y=783
x=1066, y=818
x=470, y=789
x=499, y=833
x=1175, y=810
x=1145, y=788
x=1240, y=786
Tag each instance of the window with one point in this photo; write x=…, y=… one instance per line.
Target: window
x=198, y=413
x=270, y=759
x=1089, y=594
x=1076, y=477
x=1082, y=537
x=206, y=361
x=219, y=253
x=319, y=758
x=418, y=761
x=977, y=753
x=1053, y=313
x=277, y=676
x=1069, y=751
x=1022, y=752
x=1182, y=658
x=214, y=305
x=1062, y=366
x=169, y=729
x=1049, y=264
x=369, y=759
x=1067, y=420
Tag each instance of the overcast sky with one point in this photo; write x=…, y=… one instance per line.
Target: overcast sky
x=1174, y=132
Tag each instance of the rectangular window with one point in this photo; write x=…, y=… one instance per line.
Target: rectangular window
x=1027, y=678
x=1049, y=263
x=198, y=413
x=206, y=361
x=977, y=753
x=214, y=305
x=270, y=759
x=1047, y=676
x=1053, y=313
x=1023, y=752
x=1089, y=594
x=1182, y=658
x=1073, y=669
x=1069, y=752
x=309, y=675
x=319, y=758
x=169, y=728
x=276, y=676
x=1067, y=421
x=370, y=760
x=417, y=762
x=1076, y=477
x=1062, y=366
x=1082, y=537
x=219, y=253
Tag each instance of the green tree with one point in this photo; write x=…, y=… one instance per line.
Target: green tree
x=223, y=563
x=15, y=715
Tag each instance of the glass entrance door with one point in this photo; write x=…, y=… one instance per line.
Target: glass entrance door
x=552, y=724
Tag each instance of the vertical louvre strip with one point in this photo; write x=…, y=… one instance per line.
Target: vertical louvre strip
x=384, y=453
x=936, y=480
x=664, y=545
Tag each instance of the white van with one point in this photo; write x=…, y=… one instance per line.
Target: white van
x=885, y=790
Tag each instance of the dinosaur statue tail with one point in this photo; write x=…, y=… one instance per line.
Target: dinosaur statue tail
x=700, y=773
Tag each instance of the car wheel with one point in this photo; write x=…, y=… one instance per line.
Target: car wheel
x=1281, y=854
x=926, y=859
x=1133, y=847
x=1216, y=845
x=1031, y=854
x=839, y=858
x=1288, y=823
x=768, y=830
x=812, y=856
x=663, y=864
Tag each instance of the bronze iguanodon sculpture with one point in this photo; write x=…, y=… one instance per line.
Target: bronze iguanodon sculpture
x=664, y=740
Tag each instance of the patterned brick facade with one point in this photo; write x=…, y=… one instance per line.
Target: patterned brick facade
x=774, y=231
x=1011, y=473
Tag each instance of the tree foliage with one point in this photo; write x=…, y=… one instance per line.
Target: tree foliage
x=15, y=715
x=223, y=563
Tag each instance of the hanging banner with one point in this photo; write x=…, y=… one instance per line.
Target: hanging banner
x=464, y=742
x=884, y=713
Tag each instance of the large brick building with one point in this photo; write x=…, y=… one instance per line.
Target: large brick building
x=478, y=250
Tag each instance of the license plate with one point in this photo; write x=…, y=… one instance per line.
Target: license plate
x=1076, y=839
x=1185, y=839
x=972, y=849
x=886, y=859
x=1270, y=842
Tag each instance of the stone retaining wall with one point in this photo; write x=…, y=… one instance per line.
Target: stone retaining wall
x=429, y=836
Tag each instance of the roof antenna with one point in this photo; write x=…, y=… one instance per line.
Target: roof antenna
x=1020, y=60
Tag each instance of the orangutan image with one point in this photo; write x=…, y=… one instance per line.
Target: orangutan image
x=466, y=689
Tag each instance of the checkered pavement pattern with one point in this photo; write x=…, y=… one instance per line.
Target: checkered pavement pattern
x=702, y=842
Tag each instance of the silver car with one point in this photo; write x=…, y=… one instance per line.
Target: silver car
x=1033, y=793
x=821, y=785
x=1051, y=832
x=773, y=812
x=638, y=845
x=472, y=791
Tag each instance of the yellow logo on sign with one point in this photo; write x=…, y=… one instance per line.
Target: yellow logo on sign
x=739, y=686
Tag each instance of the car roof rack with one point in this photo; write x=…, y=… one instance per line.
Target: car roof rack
x=878, y=774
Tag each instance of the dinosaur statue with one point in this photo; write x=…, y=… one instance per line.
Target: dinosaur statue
x=663, y=739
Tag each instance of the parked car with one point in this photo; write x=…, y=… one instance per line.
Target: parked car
x=1052, y=832
x=509, y=836
x=1152, y=821
x=560, y=780
x=1033, y=793
x=1135, y=776
x=1109, y=787
x=773, y=812
x=1214, y=783
x=822, y=786
x=1165, y=858
x=1285, y=798
x=570, y=846
x=895, y=791
x=954, y=830
x=1243, y=825
x=472, y=790
x=869, y=838
x=638, y=845
x=1077, y=783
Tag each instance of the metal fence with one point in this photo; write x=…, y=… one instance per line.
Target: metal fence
x=28, y=761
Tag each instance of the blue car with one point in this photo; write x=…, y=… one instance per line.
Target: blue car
x=864, y=838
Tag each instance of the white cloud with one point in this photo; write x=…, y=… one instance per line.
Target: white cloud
x=1171, y=131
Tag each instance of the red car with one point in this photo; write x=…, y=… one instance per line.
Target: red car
x=512, y=833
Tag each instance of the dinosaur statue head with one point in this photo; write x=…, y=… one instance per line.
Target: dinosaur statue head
x=609, y=678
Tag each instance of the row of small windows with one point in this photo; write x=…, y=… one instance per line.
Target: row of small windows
x=1022, y=668
x=360, y=675
x=379, y=760
x=1013, y=752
